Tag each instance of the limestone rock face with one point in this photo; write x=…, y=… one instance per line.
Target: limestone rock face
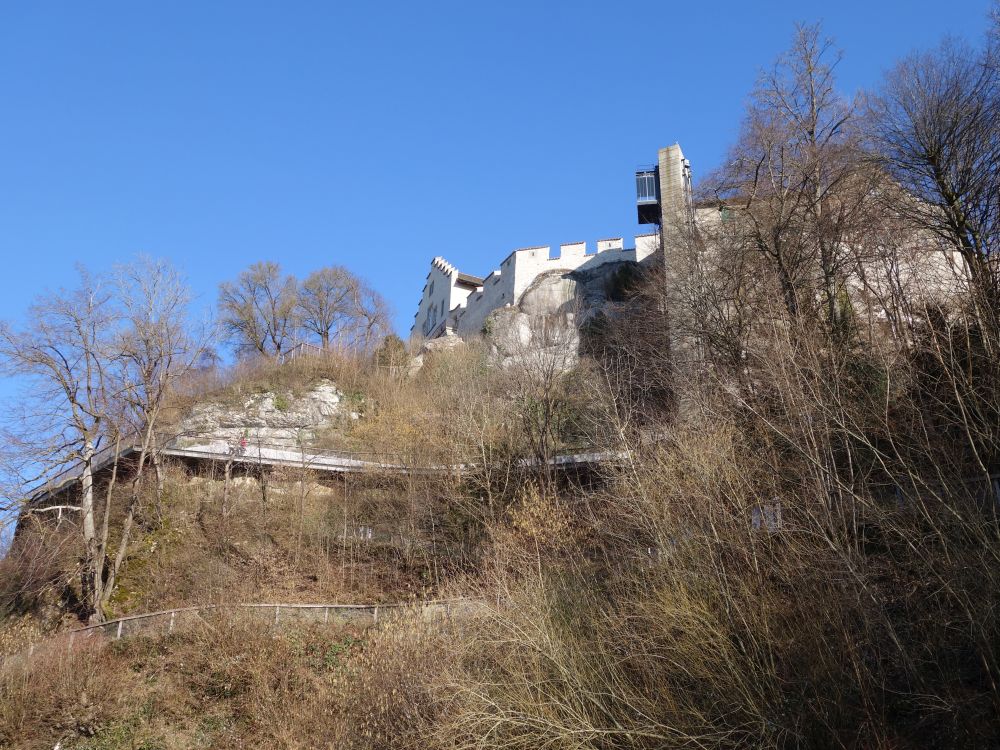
x=277, y=419
x=442, y=343
x=599, y=287
x=546, y=320
x=550, y=294
x=545, y=340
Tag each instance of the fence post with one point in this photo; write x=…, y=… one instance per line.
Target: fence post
x=120, y=623
x=326, y=614
x=276, y=609
x=375, y=613
x=173, y=613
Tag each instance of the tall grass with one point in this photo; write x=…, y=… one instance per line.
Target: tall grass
x=228, y=682
x=808, y=554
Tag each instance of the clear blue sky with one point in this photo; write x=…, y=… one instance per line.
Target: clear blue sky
x=375, y=135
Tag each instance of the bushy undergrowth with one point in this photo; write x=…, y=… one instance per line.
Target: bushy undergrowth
x=289, y=538
x=38, y=571
x=803, y=555
x=715, y=595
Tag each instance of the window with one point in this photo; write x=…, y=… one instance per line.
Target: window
x=645, y=187
x=442, y=308
x=430, y=290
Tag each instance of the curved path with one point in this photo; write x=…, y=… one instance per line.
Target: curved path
x=329, y=462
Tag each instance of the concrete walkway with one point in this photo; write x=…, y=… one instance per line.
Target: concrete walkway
x=329, y=462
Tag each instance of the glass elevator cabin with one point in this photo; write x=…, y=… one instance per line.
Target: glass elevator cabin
x=647, y=195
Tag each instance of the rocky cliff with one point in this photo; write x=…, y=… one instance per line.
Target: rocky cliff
x=551, y=313
x=273, y=418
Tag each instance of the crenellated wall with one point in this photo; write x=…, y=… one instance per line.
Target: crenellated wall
x=441, y=295
x=467, y=312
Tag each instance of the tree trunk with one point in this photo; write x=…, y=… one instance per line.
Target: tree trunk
x=157, y=462
x=102, y=588
x=89, y=576
x=133, y=503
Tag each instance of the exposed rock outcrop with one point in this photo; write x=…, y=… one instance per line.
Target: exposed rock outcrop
x=443, y=343
x=273, y=418
x=547, y=318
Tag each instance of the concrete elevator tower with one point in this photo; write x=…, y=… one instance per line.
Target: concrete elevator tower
x=663, y=195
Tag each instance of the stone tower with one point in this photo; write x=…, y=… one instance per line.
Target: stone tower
x=663, y=195
x=675, y=185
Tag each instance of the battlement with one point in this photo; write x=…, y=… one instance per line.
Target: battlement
x=466, y=312
x=453, y=301
x=574, y=252
x=444, y=266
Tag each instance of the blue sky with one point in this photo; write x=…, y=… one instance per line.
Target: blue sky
x=374, y=135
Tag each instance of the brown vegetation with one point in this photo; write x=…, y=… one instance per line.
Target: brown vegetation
x=227, y=682
x=794, y=540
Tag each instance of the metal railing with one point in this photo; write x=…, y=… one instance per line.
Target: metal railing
x=166, y=621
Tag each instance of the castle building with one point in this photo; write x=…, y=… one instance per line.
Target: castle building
x=453, y=302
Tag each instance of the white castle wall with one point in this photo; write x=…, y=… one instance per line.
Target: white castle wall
x=440, y=296
x=497, y=291
x=505, y=285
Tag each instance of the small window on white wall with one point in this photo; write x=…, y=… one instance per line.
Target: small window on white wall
x=442, y=308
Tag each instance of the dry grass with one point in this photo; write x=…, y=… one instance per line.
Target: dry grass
x=61, y=693
x=38, y=572
x=350, y=371
x=228, y=682
x=795, y=558
x=752, y=577
x=292, y=540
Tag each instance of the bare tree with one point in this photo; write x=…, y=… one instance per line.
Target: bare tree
x=934, y=126
x=336, y=305
x=258, y=311
x=326, y=302
x=64, y=351
x=372, y=317
x=794, y=178
x=538, y=379
x=100, y=360
x=154, y=349
x=991, y=52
